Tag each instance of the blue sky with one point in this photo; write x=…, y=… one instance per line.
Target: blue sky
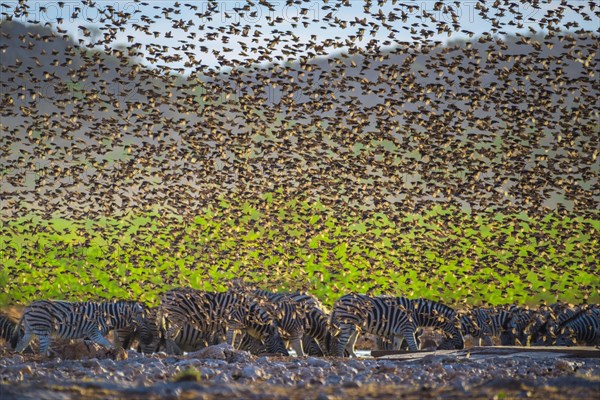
x=306, y=21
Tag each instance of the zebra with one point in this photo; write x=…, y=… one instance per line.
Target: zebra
x=252, y=345
x=583, y=327
x=7, y=330
x=355, y=313
x=191, y=318
x=250, y=318
x=312, y=348
x=148, y=343
x=470, y=326
x=290, y=317
x=428, y=313
x=491, y=321
x=316, y=321
x=545, y=326
x=519, y=327
x=76, y=320
x=393, y=343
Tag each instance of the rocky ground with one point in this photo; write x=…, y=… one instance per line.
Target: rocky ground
x=78, y=371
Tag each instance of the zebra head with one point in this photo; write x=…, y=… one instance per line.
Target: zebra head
x=333, y=345
x=251, y=318
x=566, y=337
x=538, y=332
x=149, y=331
x=273, y=341
x=123, y=314
x=469, y=325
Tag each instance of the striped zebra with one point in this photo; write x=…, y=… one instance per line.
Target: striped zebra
x=518, y=327
x=356, y=313
x=252, y=345
x=76, y=320
x=545, y=327
x=192, y=319
x=393, y=343
x=312, y=347
x=148, y=340
x=308, y=313
x=470, y=326
x=251, y=318
x=428, y=313
x=256, y=347
x=492, y=321
x=7, y=330
x=290, y=317
x=583, y=328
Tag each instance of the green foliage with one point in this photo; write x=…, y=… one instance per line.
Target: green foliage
x=443, y=254
x=190, y=374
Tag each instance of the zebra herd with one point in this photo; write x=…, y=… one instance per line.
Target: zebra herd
x=265, y=322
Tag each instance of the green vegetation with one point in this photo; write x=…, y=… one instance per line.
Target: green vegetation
x=191, y=374
x=441, y=253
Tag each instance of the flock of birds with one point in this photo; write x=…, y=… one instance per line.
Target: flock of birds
x=265, y=322
x=234, y=103
x=395, y=121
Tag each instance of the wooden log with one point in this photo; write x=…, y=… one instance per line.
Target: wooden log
x=577, y=351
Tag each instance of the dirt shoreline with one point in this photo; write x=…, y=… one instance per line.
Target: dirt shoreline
x=221, y=372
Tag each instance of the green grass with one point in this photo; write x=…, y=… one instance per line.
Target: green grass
x=443, y=254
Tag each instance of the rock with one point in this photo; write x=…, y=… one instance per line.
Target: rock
x=17, y=359
x=23, y=368
x=223, y=351
x=352, y=384
x=253, y=372
x=565, y=365
x=239, y=356
x=318, y=362
x=213, y=352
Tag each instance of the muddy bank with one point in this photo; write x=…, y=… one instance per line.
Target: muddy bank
x=221, y=372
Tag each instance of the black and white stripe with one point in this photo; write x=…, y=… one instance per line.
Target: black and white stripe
x=308, y=316
x=148, y=336
x=356, y=313
x=428, y=313
x=470, y=326
x=582, y=328
x=192, y=319
x=518, y=327
x=548, y=319
x=251, y=318
x=76, y=320
x=8, y=331
x=492, y=321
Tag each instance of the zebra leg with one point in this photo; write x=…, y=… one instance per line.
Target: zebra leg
x=398, y=342
x=487, y=340
x=231, y=336
x=24, y=342
x=44, y=344
x=409, y=335
x=172, y=348
x=386, y=343
x=97, y=337
x=339, y=342
x=297, y=346
x=352, y=342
